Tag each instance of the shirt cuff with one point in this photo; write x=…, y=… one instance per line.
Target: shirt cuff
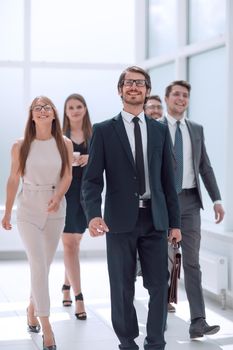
x=218, y=202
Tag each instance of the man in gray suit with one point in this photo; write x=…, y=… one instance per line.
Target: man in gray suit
x=190, y=161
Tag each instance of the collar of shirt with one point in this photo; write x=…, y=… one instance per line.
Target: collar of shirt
x=128, y=117
x=171, y=120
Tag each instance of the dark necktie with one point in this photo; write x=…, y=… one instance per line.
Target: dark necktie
x=139, y=161
x=178, y=149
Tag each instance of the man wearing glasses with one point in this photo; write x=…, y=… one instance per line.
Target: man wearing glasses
x=141, y=203
x=153, y=107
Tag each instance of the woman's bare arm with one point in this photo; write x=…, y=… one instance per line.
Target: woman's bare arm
x=12, y=185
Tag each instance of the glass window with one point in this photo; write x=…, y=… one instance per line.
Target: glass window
x=83, y=31
x=162, y=35
x=12, y=119
x=98, y=87
x=11, y=29
x=207, y=75
x=160, y=77
x=206, y=19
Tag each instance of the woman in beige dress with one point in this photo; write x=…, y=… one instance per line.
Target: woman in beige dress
x=43, y=160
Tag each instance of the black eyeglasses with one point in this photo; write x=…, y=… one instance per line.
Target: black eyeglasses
x=138, y=82
x=46, y=108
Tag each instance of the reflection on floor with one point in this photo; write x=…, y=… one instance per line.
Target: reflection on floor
x=96, y=333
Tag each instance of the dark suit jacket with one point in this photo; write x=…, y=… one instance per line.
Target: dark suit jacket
x=201, y=162
x=110, y=152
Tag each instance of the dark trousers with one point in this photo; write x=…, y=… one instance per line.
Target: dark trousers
x=121, y=255
x=191, y=237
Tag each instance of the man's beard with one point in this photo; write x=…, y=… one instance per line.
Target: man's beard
x=132, y=101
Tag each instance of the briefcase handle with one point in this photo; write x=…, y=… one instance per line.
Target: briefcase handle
x=175, y=244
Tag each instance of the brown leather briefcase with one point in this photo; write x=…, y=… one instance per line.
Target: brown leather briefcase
x=174, y=265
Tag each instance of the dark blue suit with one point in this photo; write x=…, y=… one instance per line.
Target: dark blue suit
x=131, y=228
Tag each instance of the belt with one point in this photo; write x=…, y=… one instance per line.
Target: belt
x=33, y=187
x=144, y=203
x=189, y=190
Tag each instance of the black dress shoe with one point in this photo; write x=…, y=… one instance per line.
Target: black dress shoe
x=80, y=315
x=200, y=327
x=32, y=328
x=66, y=302
x=50, y=347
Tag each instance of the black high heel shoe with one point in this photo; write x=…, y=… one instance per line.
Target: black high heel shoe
x=50, y=347
x=32, y=328
x=80, y=315
x=67, y=302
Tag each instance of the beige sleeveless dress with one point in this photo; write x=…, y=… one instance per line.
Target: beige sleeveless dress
x=42, y=174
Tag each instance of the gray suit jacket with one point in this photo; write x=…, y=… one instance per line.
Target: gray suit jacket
x=201, y=163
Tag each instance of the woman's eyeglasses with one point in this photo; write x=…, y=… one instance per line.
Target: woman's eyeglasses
x=46, y=108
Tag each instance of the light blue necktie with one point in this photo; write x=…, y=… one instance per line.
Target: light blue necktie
x=178, y=149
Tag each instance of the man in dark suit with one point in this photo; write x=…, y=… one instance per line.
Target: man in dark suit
x=141, y=203
x=191, y=160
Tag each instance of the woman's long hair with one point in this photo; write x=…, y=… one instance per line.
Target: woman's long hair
x=30, y=135
x=86, y=125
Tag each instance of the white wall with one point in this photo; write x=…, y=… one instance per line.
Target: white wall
x=82, y=47
x=220, y=242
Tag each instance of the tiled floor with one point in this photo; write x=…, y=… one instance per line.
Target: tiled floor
x=95, y=333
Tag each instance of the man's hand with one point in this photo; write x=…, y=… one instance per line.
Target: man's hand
x=219, y=212
x=174, y=233
x=97, y=227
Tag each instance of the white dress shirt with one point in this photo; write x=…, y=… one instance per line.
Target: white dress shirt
x=188, y=172
x=129, y=127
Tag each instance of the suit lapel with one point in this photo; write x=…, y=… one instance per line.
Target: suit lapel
x=118, y=124
x=164, y=121
x=190, y=129
x=193, y=143
x=150, y=138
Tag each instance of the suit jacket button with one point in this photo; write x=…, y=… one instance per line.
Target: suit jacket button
x=136, y=194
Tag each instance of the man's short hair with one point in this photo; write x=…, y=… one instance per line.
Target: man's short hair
x=183, y=83
x=134, y=69
x=153, y=97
